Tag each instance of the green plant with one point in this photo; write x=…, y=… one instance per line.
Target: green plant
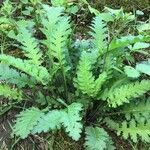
x=74, y=79
x=97, y=138
x=6, y=23
x=7, y=8
x=71, y=6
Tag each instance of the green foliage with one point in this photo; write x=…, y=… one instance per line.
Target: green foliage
x=56, y=31
x=40, y=122
x=118, y=14
x=99, y=34
x=35, y=2
x=59, y=75
x=49, y=24
x=143, y=27
x=69, y=5
x=131, y=72
x=85, y=81
x=29, y=44
x=134, y=130
x=26, y=121
x=50, y=121
x=85, y=78
x=38, y=72
x=123, y=94
x=144, y=67
x=71, y=121
x=11, y=93
x=127, y=40
x=131, y=129
x=59, y=42
x=12, y=76
x=97, y=139
x=7, y=8
x=138, y=111
x=58, y=2
x=139, y=45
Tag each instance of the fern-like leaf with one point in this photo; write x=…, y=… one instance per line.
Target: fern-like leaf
x=12, y=76
x=124, y=93
x=99, y=82
x=38, y=72
x=50, y=121
x=85, y=81
x=10, y=93
x=59, y=42
x=131, y=129
x=99, y=34
x=85, y=78
x=134, y=130
x=71, y=120
x=47, y=21
x=56, y=31
x=138, y=111
x=97, y=139
x=49, y=25
x=29, y=44
x=26, y=121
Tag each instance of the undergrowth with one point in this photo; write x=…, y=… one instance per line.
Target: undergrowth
x=78, y=85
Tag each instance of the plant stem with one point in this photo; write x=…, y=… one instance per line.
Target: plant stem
x=65, y=84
